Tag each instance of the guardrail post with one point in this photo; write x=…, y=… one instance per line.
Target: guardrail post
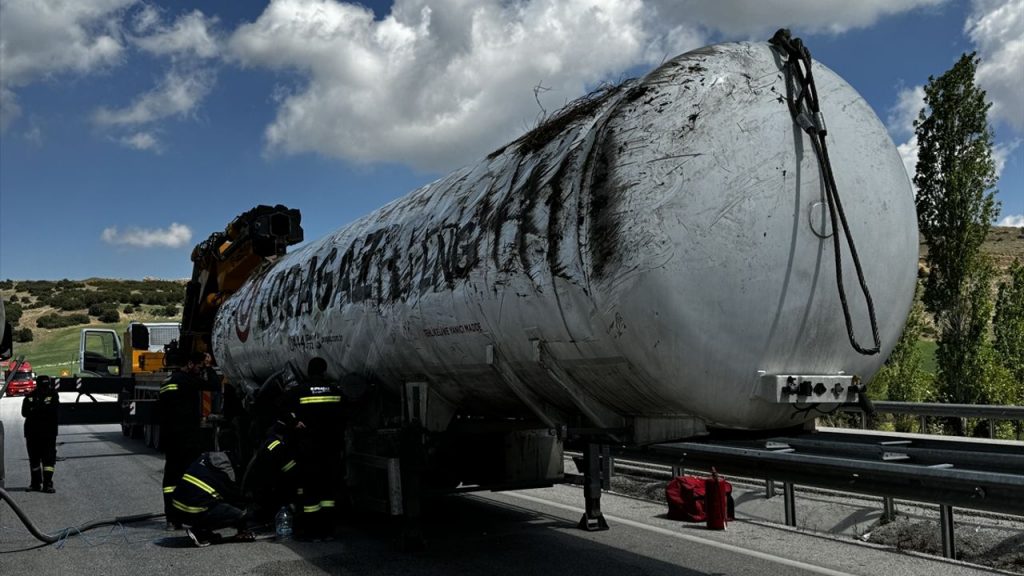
x=991, y=428
x=863, y=420
x=678, y=470
x=924, y=424
x=769, y=489
x=789, y=503
x=948, y=535
x=888, y=509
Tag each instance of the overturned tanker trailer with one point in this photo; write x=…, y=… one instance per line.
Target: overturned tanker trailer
x=657, y=259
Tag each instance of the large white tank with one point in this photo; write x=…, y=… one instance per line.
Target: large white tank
x=664, y=240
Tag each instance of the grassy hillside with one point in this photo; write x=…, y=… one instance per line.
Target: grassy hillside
x=53, y=350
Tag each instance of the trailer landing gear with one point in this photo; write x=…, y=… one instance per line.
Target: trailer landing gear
x=595, y=476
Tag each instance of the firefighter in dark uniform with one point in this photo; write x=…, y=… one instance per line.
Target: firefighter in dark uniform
x=272, y=477
x=316, y=403
x=180, y=404
x=206, y=499
x=40, y=411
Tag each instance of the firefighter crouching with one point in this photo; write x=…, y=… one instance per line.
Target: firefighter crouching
x=272, y=477
x=40, y=411
x=205, y=499
x=316, y=403
x=180, y=405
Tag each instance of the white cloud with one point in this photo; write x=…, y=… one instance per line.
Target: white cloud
x=191, y=35
x=39, y=38
x=909, y=103
x=1016, y=221
x=142, y=141
x=145, y=19
x=908, y=152
x=1001, y=153
x=34, y=134
x=175, y=236
x=179, y=93
x=997, y=29
x=436, y=83
x=9, y=109
x=746, y=19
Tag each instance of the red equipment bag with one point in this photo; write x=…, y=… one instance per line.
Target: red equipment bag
x=685, y=496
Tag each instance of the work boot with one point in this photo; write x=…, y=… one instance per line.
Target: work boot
x=48, y=479
x=37, y=480
x=199, y=537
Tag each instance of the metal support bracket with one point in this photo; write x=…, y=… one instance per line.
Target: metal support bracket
x=541, y=409
x=598, y=414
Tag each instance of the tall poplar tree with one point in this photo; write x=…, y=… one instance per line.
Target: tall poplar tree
x=1009, y=326
x=955, y=207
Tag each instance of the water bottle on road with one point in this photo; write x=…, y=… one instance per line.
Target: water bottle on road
x=283, y=524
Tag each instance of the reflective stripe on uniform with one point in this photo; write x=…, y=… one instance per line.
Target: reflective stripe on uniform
x=187, y=508
x=273, y=445
x=47, y=468
x=168, y=388
x=202, y=485
x=288, y=466
x=169, y=489
x=327, y=503
x=319, y=399
x=311, y=509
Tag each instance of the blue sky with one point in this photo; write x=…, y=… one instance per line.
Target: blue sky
x=131, y=130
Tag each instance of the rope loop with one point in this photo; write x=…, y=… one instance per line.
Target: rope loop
x=802, y=97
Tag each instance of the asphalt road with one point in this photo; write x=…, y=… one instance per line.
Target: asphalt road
x=100, y=474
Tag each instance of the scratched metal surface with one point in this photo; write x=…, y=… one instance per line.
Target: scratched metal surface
x=656, y=237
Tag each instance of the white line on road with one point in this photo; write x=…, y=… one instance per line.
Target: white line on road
x=689, y=538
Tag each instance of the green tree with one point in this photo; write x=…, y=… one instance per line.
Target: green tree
x=955, y=206
x=902, y=379
x=1008, y=327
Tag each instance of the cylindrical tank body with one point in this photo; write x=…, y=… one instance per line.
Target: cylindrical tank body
x=665, y=240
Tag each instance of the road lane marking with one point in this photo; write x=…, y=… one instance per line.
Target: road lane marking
x=689, y=538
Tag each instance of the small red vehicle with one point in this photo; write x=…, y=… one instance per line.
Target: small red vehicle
x=23, y=382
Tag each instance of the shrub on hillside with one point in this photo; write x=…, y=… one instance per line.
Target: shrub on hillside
x=6, y=284
x=22, y=335
x=171, y=310
x=12, y=311
x=50, y=321
x=111, y=315
x=14, y=298
x=129, y=309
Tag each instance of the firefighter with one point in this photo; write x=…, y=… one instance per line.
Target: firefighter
x=316, y=403
x=272, y=477
x=180, y=405
x=40, y=411
x=206, y=499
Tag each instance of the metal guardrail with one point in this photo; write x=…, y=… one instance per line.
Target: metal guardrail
x=924, y=410
x=951, y=473
x=979, y=490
